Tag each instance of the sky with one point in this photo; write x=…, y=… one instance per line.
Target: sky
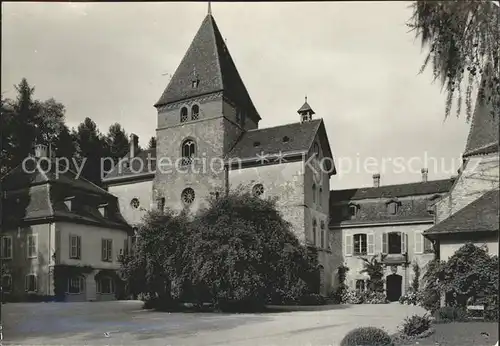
x=357, y=63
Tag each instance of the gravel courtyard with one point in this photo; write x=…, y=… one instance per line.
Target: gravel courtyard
x=125, y=323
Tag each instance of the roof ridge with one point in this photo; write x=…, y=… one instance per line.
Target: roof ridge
x=283, y=125
x=392, y=185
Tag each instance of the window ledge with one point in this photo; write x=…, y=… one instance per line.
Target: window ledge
x=6, y=258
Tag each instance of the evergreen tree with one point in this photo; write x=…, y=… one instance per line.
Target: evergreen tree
x=91, y=147
x=152, y=143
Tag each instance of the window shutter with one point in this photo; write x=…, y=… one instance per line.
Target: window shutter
x=70, y=246
x=104, y=252
x=79, y=247
x=418, y=242
x=348, y=245
x=110, y=249
x=404, y=242
x=371, y=243
x=384, y=243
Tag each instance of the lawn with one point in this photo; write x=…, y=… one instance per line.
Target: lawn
x=461, y=333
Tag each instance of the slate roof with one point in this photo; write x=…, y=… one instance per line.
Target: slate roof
x=124, y=171
x=39, y=197
x=478, y=216
x=270, y=140
x=483, y=133
x=372, y=203
x=305, y=108
x=208, y=61
x=388, y=191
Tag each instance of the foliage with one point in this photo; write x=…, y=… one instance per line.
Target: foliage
x=367, y=336
x=375, y=270
x=363, y=297
x=430, y=294
x=152, y=143
x=416, y=325
x=463, y=40
x=375, y=298
x=415, y=284
x=411, y=298
x=339, y=293
x=450, y=314
x=238, y=253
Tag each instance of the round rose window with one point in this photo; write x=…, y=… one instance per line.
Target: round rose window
x=258, y=190
x=188, y=196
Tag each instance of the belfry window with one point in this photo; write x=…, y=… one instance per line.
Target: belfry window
x=184, y=114
x=188, y=151
x=195, y=112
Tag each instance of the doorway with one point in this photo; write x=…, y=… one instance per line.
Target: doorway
x=394, y=287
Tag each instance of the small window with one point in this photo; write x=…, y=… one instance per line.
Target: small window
x=7, y=247
x=195, y=112
x=6, y=283
x=256, y=143
x=184, y=114
x=32, y=248
x=105, y=285
x=392, y=208
x=360, y=247
x=76, y=285
x=188, y=196
x=314, y=224
x=134, y=203
x=160, y=203
x=258, y=190
x=30, y=284
x=103, y=209
x=188, y=151
x=195, y=83
x=353, y=210
x=286, y=139
x=107, y=250
x=75, y=247
x=314, y=193
x=360, y=285
x=316, y=149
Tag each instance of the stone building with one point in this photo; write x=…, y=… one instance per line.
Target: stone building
x=387, y=222
x=209, y=141
x=469, y=212
x=61, y=235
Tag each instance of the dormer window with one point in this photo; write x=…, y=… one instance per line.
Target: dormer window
x=353, y=209
x=286, y=139
x=195, y=83
x=392, y=207
x=69, y=202
x=103, y=209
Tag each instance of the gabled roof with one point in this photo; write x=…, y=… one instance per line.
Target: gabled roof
x=483, y=133
x=305, y=108
x=140, y=166
x=208, y=61
x=392, y=191
x=478, y=216
x=270, y=141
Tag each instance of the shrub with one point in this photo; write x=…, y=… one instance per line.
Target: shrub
x=312, y=299
x=450, y=314
x=410, y=298
x=365, y=336
x=353, y=297
x=375, y=298
x=416, y=325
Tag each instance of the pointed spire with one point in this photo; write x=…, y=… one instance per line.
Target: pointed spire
x=209, y=8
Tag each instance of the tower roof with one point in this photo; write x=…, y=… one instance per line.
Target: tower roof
x=208, y=62
x=305, y=108
x=483, y=133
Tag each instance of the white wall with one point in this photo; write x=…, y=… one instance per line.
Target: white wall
x=141, y=190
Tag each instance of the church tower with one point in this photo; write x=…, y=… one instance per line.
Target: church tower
x=201, y=114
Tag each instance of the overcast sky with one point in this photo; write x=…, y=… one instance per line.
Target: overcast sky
x=357, y=63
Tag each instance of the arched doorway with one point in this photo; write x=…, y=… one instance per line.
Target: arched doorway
x=394, y=287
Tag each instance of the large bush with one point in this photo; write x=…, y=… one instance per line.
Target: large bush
x=365, y=336
x=238, y=254
x=416, y=325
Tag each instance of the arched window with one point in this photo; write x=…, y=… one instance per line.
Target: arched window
x=187, y=196
x=184, y=114
x=188, y=151
x=323, y=235
x=314, y=232
x=258, y=190
x=321, y=277
x=314, y=193
x=320, y=194
x=316, y=149
x=195, y=112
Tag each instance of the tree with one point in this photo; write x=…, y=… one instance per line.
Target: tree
x=375, y=271
x=152, y=143
x=65, y=144
x=117, y=142
x=237, y=253
x=91, y=148
x=463, y=38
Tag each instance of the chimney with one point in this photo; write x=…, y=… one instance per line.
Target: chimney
x=425, y=173
x=40, y=150
x=134, y=145
x=376, y=180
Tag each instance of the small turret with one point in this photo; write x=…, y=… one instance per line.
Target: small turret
x=305, y=112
